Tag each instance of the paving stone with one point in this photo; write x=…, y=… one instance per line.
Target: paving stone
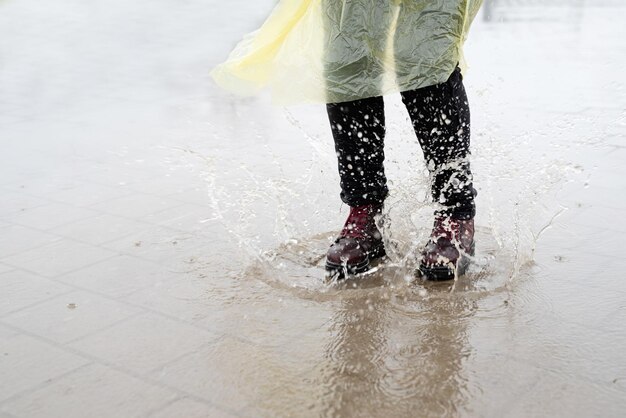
x=145, y=343
x=101, y=229
x=17, y=201
x=187, y=217
x=30, y=362
x=119, y=276
x=555, y=396
x=189, y=408
x=164, y=245
x=4, y=268
x=58, y=258
x=51, y=215
x=85, y=194
x=82, y=390
x=70, y=316
x=236, y=378
x=135, y=206
x=21, y=289
x=15, y=239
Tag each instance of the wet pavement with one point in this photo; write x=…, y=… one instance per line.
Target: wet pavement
x=161, y=241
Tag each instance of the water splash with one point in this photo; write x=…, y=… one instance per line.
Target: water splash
x=278, y=212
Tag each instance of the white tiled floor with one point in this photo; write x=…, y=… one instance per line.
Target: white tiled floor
x=118, y=276
x=16, y=238
x=191, y=409
x=32, y=363
x=93, y=388
x=58, y=258
x=70, y=316
x=23, y=289
x=138, y=343
x=100, y=229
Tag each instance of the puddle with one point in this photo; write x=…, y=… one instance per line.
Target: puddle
x=299, y=265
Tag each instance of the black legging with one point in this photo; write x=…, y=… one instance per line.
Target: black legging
x=441, y=119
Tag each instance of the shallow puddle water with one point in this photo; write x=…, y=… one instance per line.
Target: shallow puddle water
x=188, y=227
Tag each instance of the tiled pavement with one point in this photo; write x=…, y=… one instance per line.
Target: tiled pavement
x=120, y=295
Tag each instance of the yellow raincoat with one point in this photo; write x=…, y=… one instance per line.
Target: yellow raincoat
x=340, y=50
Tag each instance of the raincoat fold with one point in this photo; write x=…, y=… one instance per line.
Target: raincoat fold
x=339, y=50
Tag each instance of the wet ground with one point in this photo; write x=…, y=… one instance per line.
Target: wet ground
x=161, y=241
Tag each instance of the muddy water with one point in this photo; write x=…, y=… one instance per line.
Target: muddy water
x=515, y=336
x=534, y=329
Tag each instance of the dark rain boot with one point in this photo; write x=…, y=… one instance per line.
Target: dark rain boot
x=448, y=250
x=359, y=243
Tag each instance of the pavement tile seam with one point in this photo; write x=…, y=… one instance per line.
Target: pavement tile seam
x=567, y=320
x=59, y=278
x=165, y=263
x=140, y=218
x=54, y=277
x=107, y=327
x=225, y=407
x=35, y=247
x=296, y=337
x=603, y=286
x=157, y=410
x=29, y=306
x=603, y=255
x=44, y=384
x=175, y=196
x=603, y=260
x=134, y=305
x=277, y=392
x=9, y=268
x=104, y=212
x=94, y=360
x=218, y=338
x=560, y=373
x=102, y=206
x=510, y=412
x=8, y=214
x=51, y=198
x=79, y=218
x=502, y=411
x=95, y=215
x=78, y=376
x=103, y=245
x=565, y=247
x=616, y=227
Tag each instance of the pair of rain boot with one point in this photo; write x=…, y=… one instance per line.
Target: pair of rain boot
x=445, y=256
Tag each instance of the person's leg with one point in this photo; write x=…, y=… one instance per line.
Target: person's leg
x=356, y=34
x=441, y=119
x=358, y=129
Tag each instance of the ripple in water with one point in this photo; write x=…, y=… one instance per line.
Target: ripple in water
x=298, y=264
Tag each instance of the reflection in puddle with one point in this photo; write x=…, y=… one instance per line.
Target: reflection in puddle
x=394, y=345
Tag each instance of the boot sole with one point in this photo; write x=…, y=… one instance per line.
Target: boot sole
x=444, y=273
x=341, y=270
